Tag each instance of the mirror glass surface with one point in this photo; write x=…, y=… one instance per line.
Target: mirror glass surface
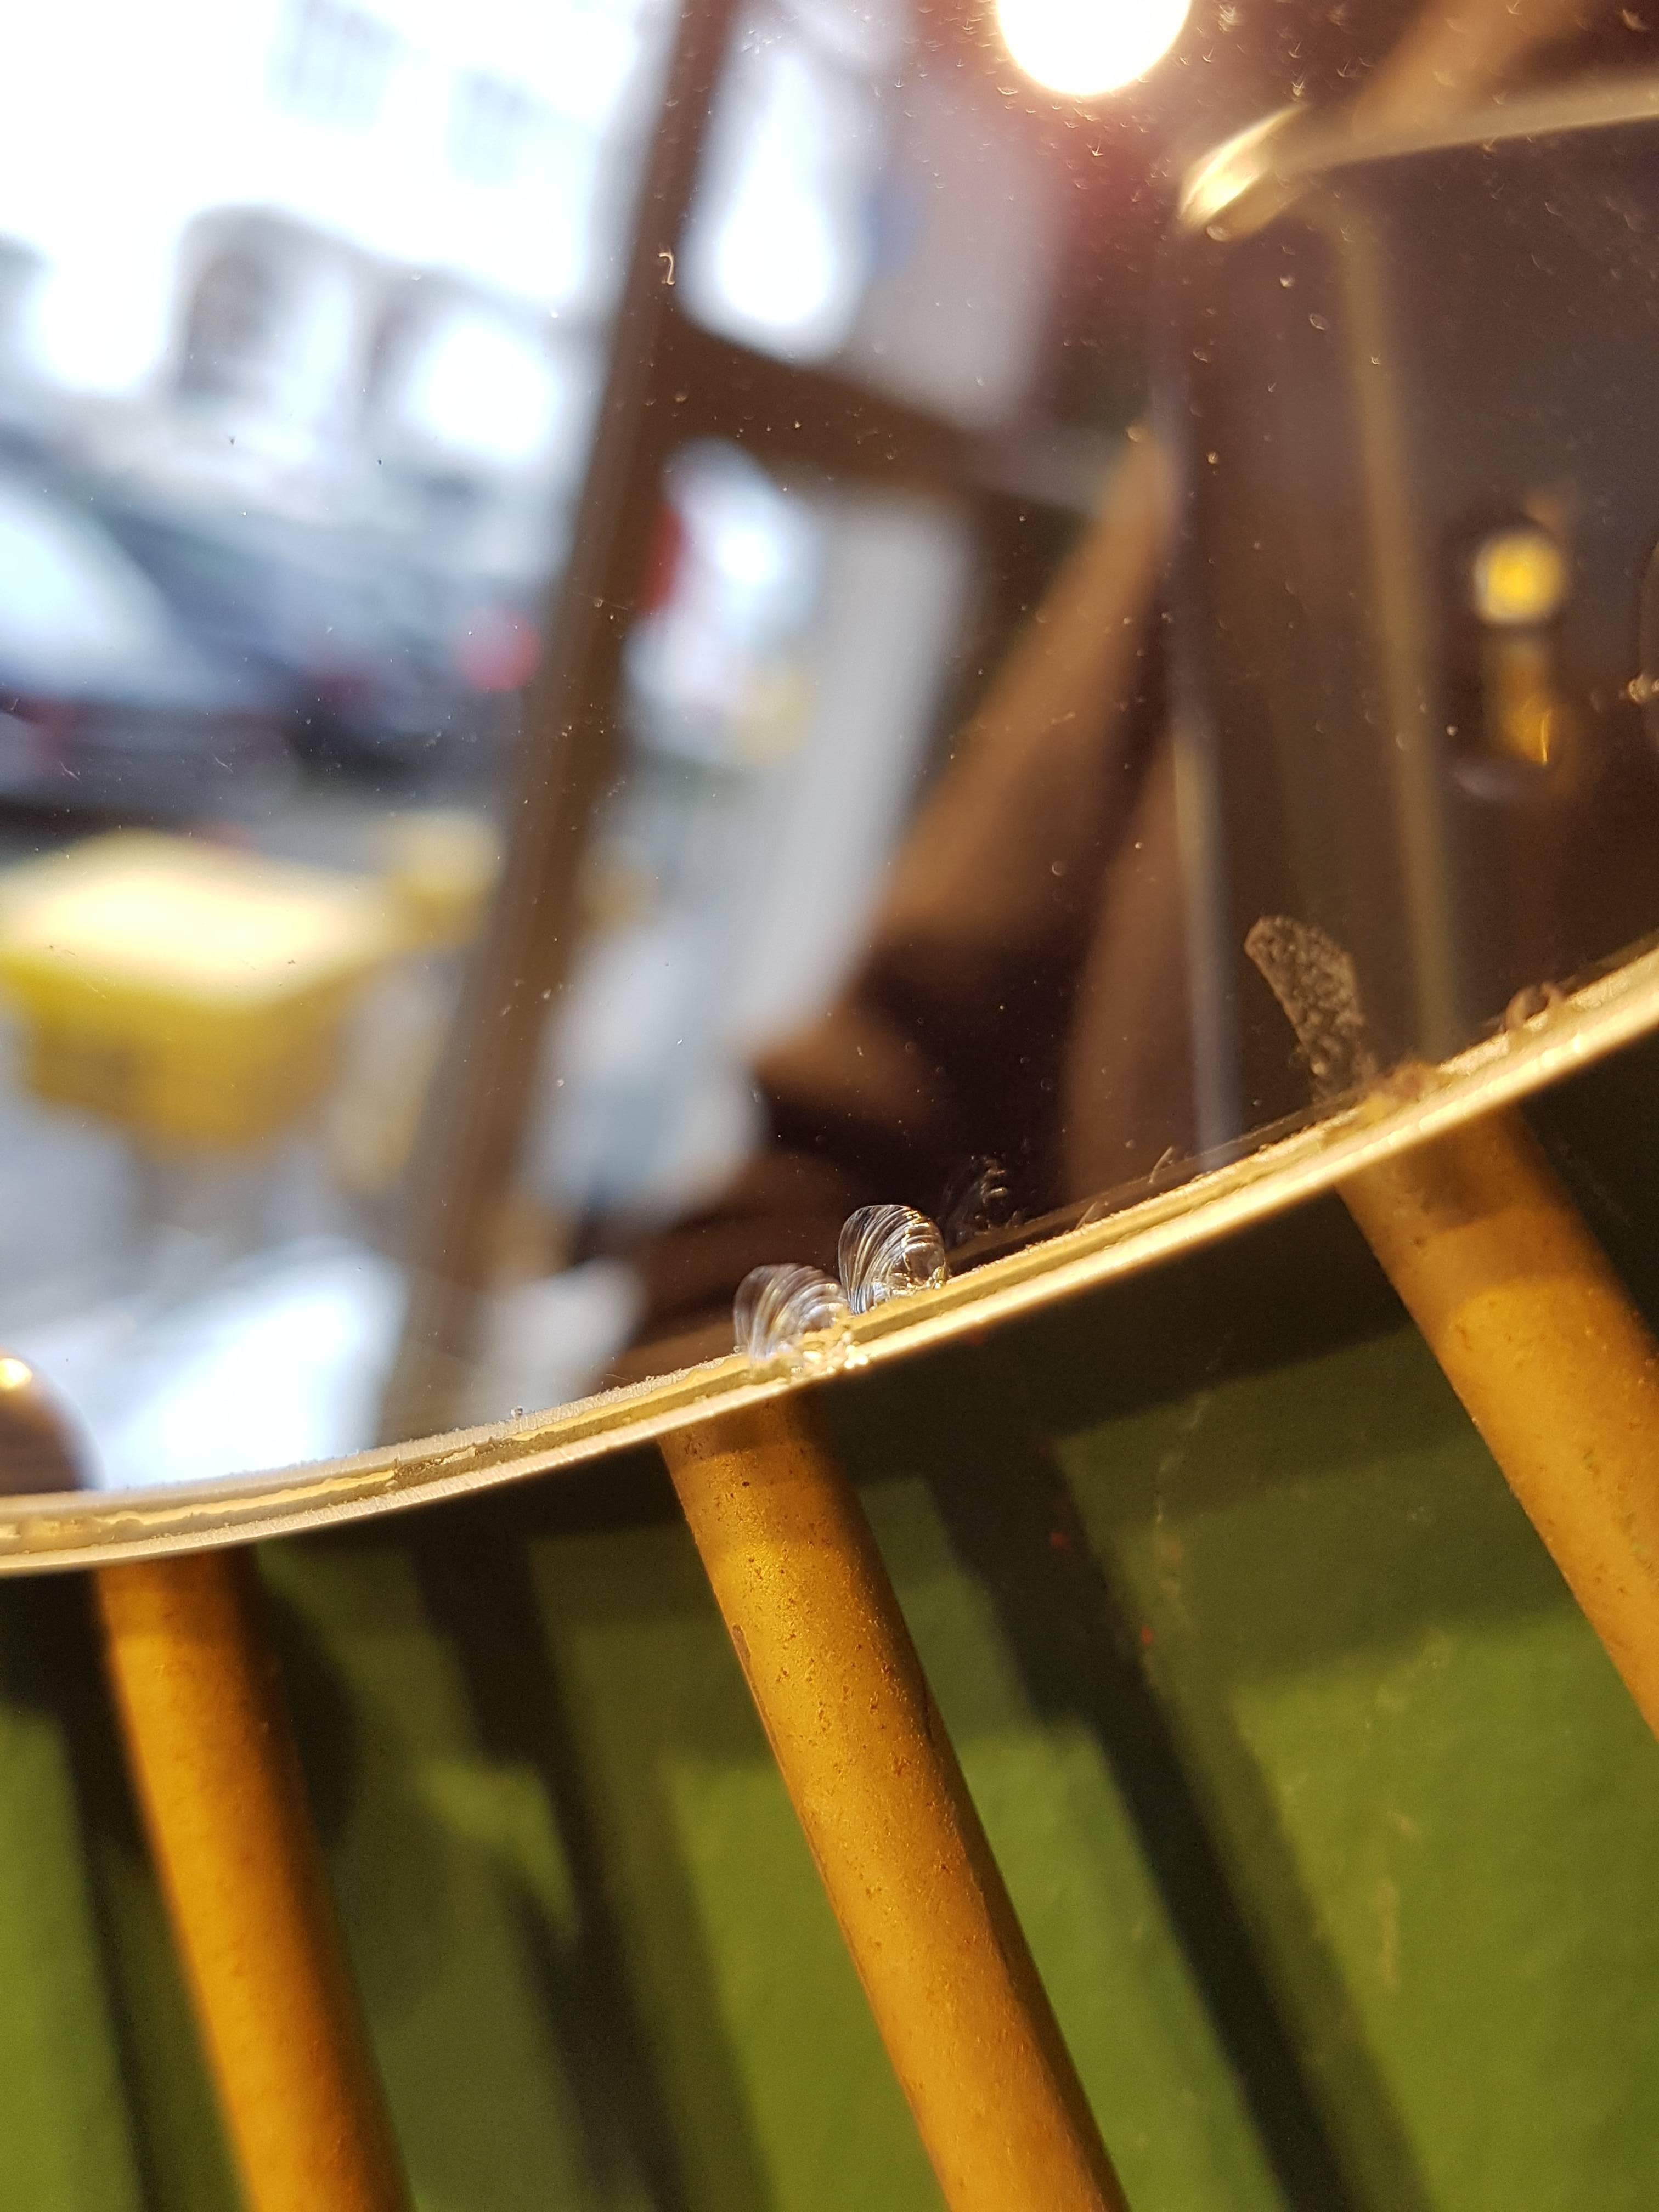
x=622, y=632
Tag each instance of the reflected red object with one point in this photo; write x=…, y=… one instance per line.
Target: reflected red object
x=497, y=651
x=670, y=539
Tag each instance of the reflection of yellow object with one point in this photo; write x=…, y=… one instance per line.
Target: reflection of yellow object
x=1527, y=718
x=15, y=1374
x=190, y=993
x=772, y=724
x=1520, y=578
x=442, y=867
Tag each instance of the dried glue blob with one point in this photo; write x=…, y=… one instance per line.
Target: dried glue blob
x=1531, y=1004
x=790, y=1316
x=886, y=1251
x=979, y=1198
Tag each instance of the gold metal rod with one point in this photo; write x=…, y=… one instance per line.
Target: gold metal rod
x=211, y=1751
x=876, y=1785
x=1541, y=1341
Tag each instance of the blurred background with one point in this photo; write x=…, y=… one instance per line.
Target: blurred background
x=311, y=313
x=302, y=319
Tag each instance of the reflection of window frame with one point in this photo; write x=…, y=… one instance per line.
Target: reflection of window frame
x=770, y=42
x=334, y=63
x=408, y=334
x=493, y=124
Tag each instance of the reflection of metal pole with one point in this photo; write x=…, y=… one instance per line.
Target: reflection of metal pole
x=467, y=1159
x=898, y=1845
x=1414, y=756
x=212, y=1754
x=1540, y=1339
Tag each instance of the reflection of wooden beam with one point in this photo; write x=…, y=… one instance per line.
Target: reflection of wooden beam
x=212, y=1754
x=466, y=1163
x=818, y=422
x=1541, y=1341
x=899, y=1846
x=789, y=415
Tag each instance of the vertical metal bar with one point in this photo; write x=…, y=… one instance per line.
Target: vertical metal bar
x=1541, y=1341
x=211, y=1752
x=210, y=1749
x=875, y=1782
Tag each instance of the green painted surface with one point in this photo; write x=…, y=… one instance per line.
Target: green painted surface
x=65, y=2137
x=1443, y=1806
x=781, y=2092
x=1265, y=1599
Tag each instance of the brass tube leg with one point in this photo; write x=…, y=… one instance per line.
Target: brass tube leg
x=211, y=1752
x=1540, y=1339
x=898, y=1845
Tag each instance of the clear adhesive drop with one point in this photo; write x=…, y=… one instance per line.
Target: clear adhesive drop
x=791, y=1316
x=887, y=1251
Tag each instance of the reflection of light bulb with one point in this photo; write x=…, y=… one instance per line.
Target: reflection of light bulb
x=1520, y=578
x=1088, y=46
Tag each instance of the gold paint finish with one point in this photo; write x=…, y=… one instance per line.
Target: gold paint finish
x=1540, y=1339
x=876, y=1784
x=212, y=1754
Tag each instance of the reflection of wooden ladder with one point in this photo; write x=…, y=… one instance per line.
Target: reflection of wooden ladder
x=669, y=382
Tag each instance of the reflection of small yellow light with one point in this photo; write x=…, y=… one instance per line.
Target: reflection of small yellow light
x=1083, y=48
x=15, y=1374
x=1520, y=578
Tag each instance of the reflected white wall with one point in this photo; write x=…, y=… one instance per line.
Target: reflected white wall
x=123, y=126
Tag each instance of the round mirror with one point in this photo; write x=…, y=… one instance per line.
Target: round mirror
x=688, y=698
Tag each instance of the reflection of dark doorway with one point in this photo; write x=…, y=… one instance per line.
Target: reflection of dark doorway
x=232, y=327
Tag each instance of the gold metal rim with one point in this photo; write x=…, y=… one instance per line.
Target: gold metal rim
x=37, y=1534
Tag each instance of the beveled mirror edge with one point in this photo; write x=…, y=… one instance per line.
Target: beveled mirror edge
x=1292, y=143
x=96, y=1528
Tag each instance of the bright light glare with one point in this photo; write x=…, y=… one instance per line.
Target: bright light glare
x=1084, y=47
x=481, y=389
